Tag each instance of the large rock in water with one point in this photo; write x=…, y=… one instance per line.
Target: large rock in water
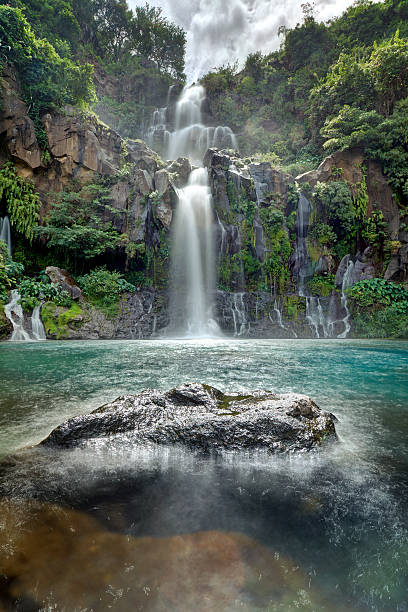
x=202, y=417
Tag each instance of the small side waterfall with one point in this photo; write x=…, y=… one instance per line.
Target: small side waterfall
x=323, y=324
x=316, y=317
x=14, y=313
x=301, y=255
x=5, y=232
x=242, y=327
x=37, y=327
x=347, y=282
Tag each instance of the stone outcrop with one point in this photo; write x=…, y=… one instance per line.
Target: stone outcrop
x=201, y=417
x=16, y=128
x=140, y=315
x=380, y=197
x=351, y=163
x=64, y=280
x=259, y=180
x=80, y=149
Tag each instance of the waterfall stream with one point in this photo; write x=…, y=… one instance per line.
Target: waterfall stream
x=5, y=232
x=193, y=250
x=347, y=282
x=321, y=323
x=14, y=313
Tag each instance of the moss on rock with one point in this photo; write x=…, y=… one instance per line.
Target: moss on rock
x=58, y=320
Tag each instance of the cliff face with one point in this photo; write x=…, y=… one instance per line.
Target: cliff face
x=255, y=219
x=80, y=148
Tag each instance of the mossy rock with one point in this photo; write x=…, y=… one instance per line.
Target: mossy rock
x=58, y=320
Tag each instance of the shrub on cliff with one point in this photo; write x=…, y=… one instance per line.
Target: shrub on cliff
x=103, y=289
x=48, y=80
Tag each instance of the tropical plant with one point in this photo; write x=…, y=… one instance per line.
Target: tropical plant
x=103, y=289
x=21, y=199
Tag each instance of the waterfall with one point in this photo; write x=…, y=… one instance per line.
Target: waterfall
x=5, y=232
x=278, y=315
x=193, y=263
x=190, y=137
x=347, y=282
x=192, y=253
x=316, y=317
x=301, y=255
x=14, y=313
x=241, y=325
x=37, y=327
x=223, y=237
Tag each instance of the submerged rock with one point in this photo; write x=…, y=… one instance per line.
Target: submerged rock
x=202, y=417
x=54, y=558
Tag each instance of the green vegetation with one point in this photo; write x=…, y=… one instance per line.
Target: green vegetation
x=322, y=285
x=22, y=201
x=57, y=319
x=340, y=84
x=104, y=288
x=377, y=291
x=54, y=46
x=75, y=224
x=10, y=272
x=379, y=308
x=33, y=292
x=48, y=80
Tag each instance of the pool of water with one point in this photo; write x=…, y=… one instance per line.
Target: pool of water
x=334, y=523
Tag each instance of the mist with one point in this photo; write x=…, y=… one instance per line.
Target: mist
x=221, y=31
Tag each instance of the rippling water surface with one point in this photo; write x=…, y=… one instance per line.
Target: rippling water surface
x=334, y=523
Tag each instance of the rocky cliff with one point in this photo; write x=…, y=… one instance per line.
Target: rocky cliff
x=256, y=223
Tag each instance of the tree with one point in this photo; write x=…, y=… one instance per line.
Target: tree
x=156, y=38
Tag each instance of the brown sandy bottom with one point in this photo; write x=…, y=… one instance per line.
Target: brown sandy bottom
x=52, y=558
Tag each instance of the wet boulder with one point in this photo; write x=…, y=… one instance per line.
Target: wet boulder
x=64, y=280
x=201, y=417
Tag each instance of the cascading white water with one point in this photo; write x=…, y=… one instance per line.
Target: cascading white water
x=5, y=232
x=242, y=327
x=37, y=327
x=193, y=256
x=301, y=255
x=347, y=282
x=14, y=313
x=190, y=137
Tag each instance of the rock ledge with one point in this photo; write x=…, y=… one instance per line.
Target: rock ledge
x=201, y=417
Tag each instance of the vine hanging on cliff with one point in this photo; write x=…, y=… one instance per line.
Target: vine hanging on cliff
x=22, y=201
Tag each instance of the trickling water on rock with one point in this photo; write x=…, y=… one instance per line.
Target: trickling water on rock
x=5, y=232
x=14, y=313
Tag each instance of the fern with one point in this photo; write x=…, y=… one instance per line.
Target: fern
x=23, y=202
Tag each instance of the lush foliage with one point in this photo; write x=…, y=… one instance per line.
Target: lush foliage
x=21, y=199
x=75, y=224
x=377, y=291
x=48, y=80
x=280, y=102
x=382, y=323
x=379, y=308
x=321, y=285
x=103, y=289
x=10, y=272
x=35, y=291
